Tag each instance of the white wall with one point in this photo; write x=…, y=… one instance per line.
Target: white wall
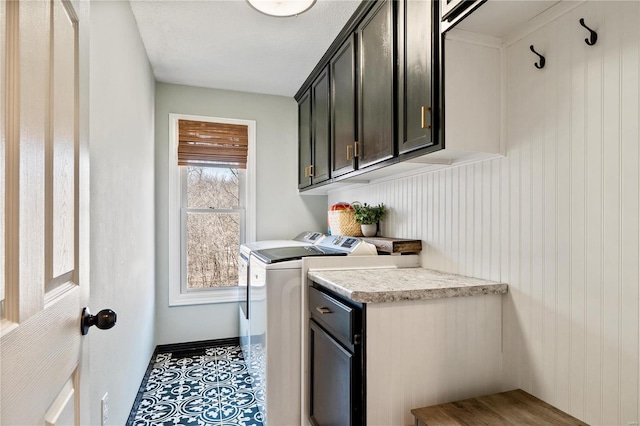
x=281, y=212
x=122, y=207
x=557, y=218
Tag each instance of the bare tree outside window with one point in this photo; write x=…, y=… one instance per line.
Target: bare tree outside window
x=213, y=228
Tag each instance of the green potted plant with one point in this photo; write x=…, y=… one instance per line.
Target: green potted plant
x=368, y=217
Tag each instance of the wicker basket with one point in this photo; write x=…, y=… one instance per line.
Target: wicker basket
x=343, y=222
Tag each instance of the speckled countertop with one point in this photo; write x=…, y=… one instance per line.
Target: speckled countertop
x=391, y=285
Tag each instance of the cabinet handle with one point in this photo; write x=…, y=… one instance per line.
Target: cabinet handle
x=323, y=310
x=308, y=171
x=423, y=113
x=356, y=149
x=349, y=153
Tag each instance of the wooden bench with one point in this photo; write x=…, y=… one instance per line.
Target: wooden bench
x=515, y=407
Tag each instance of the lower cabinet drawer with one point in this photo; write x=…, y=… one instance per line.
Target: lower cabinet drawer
x=330, y=313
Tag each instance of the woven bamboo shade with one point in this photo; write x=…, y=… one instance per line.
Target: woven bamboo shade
x=206, y=144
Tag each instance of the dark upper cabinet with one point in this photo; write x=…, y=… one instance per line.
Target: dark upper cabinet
x=313, y=133
x=375, y=35
x=304, y=140
x=320, y=127
x=415, y=74
x=343, y=108
x=375, y=95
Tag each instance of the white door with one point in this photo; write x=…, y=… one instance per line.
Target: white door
x=44, y=120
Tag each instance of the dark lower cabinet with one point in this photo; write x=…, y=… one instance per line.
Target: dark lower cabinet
x=331, y=380
x=336, y=357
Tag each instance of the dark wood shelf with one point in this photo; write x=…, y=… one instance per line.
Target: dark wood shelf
x=395, y=245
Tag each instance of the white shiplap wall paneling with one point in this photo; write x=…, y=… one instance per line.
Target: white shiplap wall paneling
x=557, y=218
x=2, y=144
x=435, y=367
x=628, y=317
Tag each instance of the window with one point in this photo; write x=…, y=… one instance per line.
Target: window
x=212, y=224
x=211, y=208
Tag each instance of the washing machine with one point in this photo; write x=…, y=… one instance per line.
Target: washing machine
x=303, y=239
x=275, y=322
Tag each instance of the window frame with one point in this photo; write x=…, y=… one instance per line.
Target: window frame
x=179, y=295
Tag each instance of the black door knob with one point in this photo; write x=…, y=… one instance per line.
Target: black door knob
x=104, y=320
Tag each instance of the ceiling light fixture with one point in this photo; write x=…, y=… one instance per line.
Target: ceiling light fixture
x=281, y=8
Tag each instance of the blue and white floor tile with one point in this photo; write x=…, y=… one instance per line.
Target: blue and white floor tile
x=213, y=388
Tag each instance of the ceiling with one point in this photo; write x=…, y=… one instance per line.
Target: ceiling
x=226, y=44
x=489, y=19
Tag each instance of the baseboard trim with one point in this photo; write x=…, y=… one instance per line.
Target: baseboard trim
x=143, y=384
x=179, y=347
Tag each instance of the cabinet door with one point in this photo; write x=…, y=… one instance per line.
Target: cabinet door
x=415, y=51
x=331, y=383
x=320, y=132
x=376, y=90
x=304, y=140
x=343, y=108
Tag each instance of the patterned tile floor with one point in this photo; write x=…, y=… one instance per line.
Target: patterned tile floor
x=212, y=387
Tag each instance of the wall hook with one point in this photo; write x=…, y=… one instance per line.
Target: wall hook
x=539, y=65
x=593, y=36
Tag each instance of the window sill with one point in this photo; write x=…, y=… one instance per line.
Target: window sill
x=6, y=327
x=220, y=295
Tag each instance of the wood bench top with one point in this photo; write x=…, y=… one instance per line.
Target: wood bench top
x=514, y=407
